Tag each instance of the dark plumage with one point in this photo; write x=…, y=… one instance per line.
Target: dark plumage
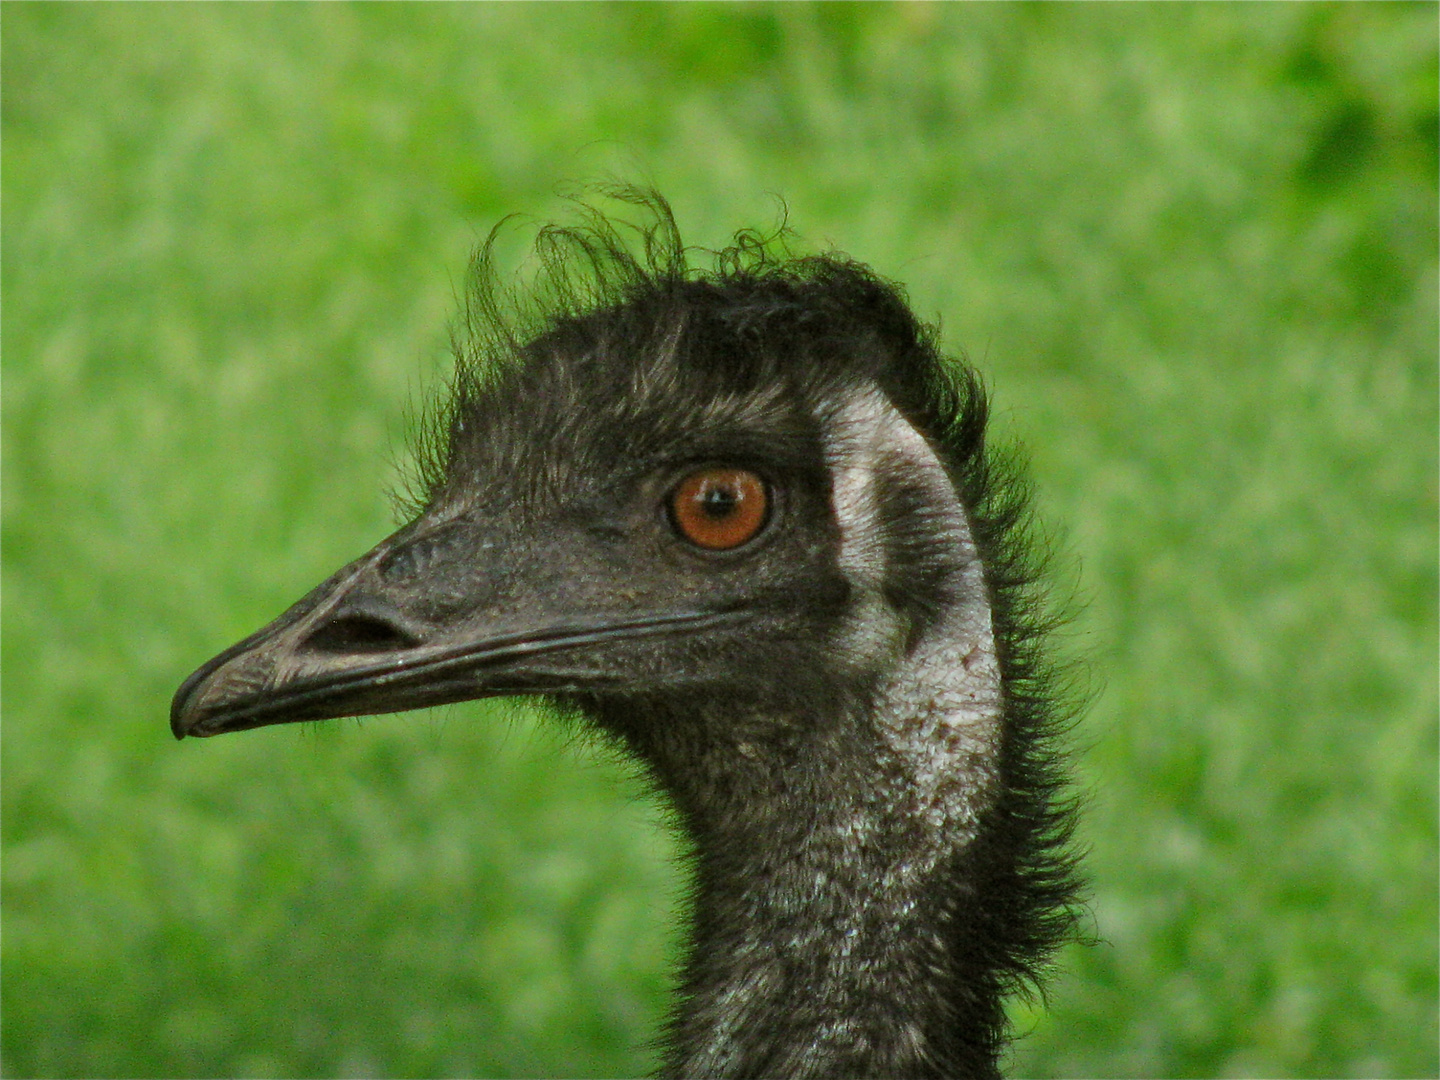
x=746, y=523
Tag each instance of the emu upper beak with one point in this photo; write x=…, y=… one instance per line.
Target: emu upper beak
x=359, y=645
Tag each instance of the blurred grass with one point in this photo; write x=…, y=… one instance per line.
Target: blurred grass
x=1193, y=246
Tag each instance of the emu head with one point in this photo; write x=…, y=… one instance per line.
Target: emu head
x=746, y=522
x=675, y=488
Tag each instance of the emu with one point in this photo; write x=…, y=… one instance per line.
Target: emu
x=745, y=522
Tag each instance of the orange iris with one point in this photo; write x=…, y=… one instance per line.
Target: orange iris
x=719, y=508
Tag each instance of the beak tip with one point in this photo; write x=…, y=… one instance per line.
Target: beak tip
x=184, y=715
x=177, y=717
x=182, y=712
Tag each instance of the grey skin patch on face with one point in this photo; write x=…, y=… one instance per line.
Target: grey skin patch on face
x=939, y=704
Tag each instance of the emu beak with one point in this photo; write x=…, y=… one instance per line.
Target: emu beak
x=360, y=645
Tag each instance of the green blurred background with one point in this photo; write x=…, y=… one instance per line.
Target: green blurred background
x=1194, y=249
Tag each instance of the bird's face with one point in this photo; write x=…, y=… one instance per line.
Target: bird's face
x=612, y=567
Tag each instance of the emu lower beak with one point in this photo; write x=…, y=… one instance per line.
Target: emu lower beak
x=348, y=649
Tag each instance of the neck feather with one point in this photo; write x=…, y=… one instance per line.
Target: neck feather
x=831, y=920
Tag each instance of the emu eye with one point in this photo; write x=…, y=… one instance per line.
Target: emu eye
x=719, y=508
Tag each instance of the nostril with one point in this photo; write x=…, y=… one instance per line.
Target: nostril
x=357, y=632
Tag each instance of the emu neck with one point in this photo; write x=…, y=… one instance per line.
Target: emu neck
x=832, y=908
x=830, y=911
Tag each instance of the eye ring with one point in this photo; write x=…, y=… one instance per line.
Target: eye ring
x=719, y=507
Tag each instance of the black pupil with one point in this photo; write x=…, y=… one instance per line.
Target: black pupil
x=718, y=501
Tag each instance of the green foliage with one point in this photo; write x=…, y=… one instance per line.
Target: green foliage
x=1193, y=246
